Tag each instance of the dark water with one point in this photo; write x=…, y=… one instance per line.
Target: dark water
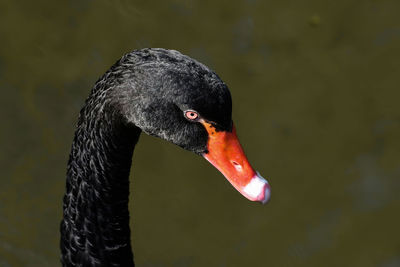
x=316, y=97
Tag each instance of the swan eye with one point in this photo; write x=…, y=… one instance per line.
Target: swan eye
x=191, y=115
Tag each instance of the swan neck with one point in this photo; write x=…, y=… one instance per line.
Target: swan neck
x=95, y=226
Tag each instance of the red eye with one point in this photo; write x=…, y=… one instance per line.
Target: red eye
x=191, y=115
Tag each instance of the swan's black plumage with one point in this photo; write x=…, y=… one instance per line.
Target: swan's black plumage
x=146, y=90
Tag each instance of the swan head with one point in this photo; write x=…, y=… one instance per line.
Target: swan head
x=174, y=97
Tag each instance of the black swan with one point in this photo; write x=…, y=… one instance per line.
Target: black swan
x=162, y=93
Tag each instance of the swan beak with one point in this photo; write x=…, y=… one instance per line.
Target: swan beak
x=226, y=154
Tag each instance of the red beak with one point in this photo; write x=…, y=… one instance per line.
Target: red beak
x=226, y=154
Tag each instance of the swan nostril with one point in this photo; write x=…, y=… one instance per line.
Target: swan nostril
x=236, y=165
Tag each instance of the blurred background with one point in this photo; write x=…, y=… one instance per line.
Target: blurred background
x=315, y=88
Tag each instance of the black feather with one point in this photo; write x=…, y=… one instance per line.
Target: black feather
x=146, y=90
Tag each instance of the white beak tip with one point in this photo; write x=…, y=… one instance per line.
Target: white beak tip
x=267, y=194
x=258, y=189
